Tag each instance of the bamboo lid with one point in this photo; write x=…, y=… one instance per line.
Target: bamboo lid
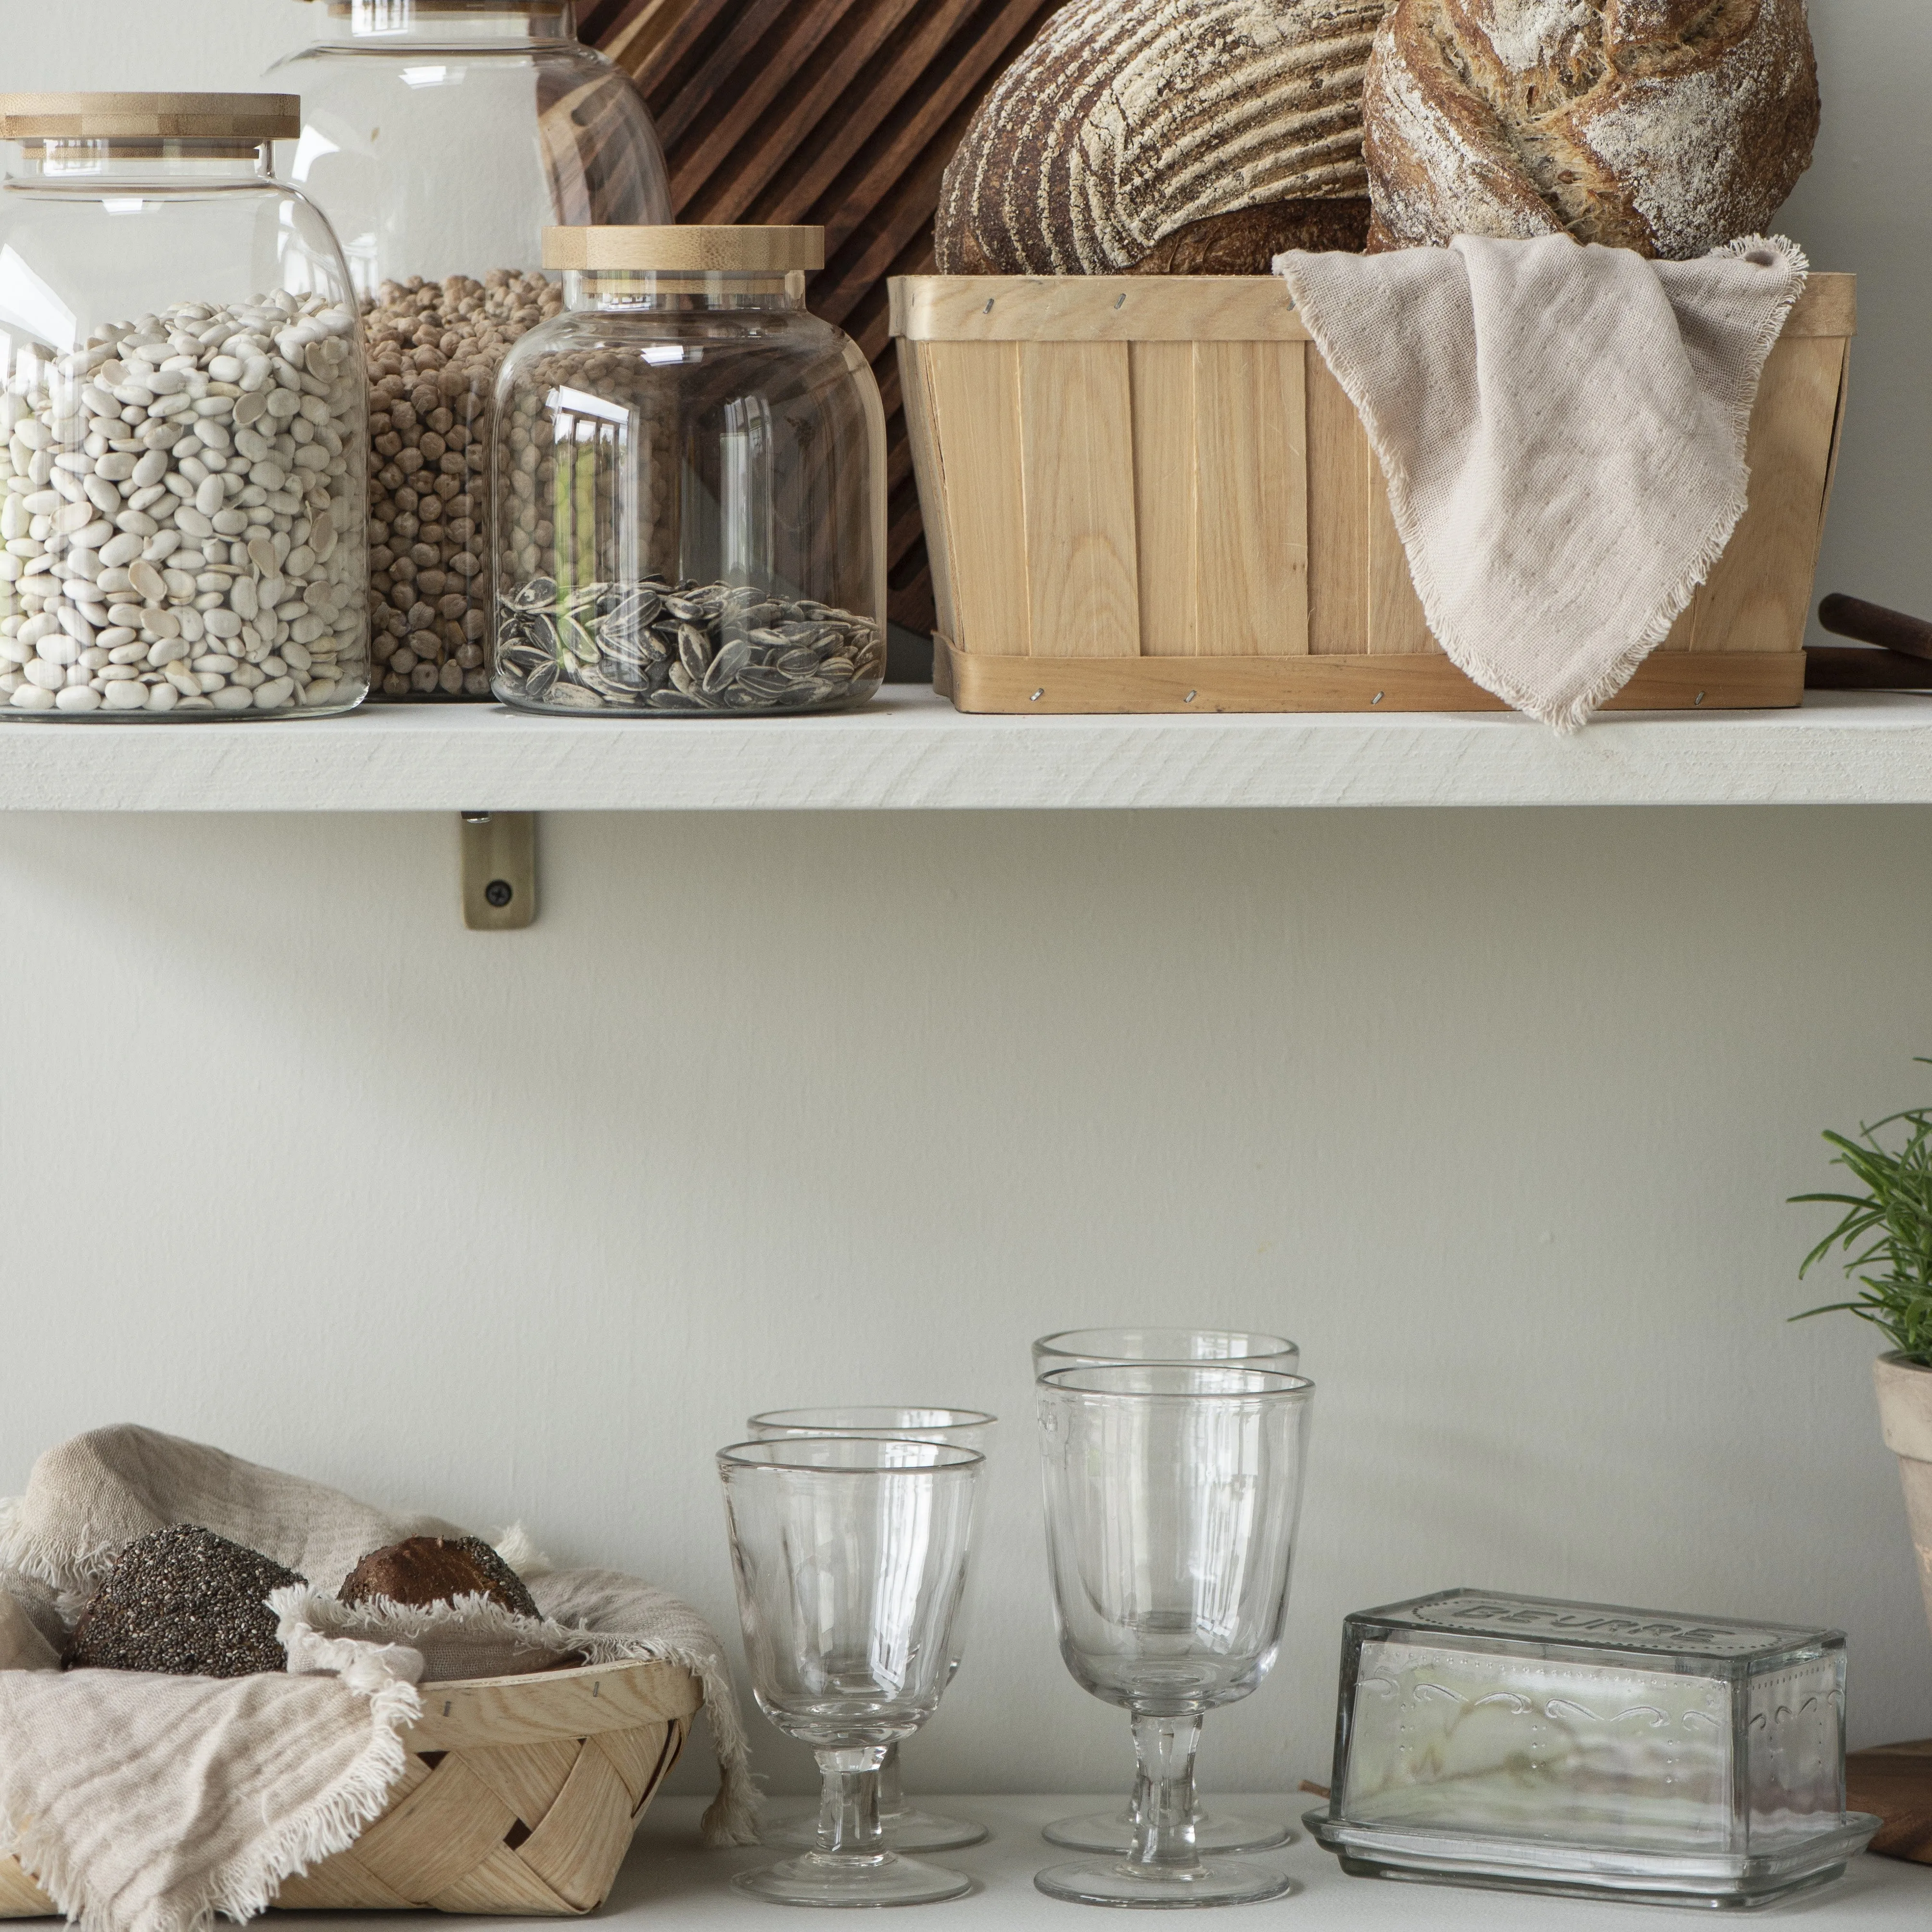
x=150, y=117
x=378, y=7
x=688, y=249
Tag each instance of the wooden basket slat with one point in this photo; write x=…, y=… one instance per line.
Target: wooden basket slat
x=925, y=471
x=1186, y=308
x=1397, y=628
x=20, y=1897
x=527, y=1778
x=639, y=1757
x=520, y=1797
x=551, y=1704
x=1680, y=681
x=1340, y=472
x=340, y=1884
x=1760, y=598
x=981, y=511
x=1132, y=487
x=1684, y=633
x=586, y=1831
x=1077, y=494
x=423, y=1845
x=1251, y=498
x=1165, y=519
x=502, y=1882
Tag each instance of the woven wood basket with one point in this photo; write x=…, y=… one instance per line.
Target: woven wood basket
x=520, y=1797
x=1148, y=493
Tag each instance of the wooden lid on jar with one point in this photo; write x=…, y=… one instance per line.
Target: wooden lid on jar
x=150, y=117
x=690, y=248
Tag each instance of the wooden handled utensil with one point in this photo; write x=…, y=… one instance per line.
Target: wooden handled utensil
x=1874, y=624
x=1903, y=662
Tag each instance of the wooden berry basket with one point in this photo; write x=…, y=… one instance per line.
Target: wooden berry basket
x=520, y=1797
x=1148, y=493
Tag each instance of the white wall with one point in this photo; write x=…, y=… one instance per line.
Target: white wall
x=1495, y=1112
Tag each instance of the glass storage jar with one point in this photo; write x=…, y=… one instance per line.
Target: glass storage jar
x=185, y=417
x=441, y=138
x=690, y=485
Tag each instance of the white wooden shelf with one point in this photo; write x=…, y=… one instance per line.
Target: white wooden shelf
x=910, y=751
x=672, y=1884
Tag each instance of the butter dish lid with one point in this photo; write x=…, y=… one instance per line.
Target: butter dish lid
x=1547, y=1622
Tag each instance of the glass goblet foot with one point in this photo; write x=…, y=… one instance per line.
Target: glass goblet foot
x=1215, y=1833
x=820, y=1878
x=1105, y=1881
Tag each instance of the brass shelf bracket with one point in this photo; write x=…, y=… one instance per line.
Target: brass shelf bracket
x=500, y=870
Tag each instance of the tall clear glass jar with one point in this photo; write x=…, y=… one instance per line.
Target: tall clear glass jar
x=185, y=418
x=442, y=137
x=690, y=485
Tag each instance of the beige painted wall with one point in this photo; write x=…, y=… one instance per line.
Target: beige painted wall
x=1495, y=1111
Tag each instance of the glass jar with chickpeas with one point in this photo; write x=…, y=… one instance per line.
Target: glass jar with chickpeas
x=442, y=137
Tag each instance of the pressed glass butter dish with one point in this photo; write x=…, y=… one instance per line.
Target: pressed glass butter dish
x=1495, y=1740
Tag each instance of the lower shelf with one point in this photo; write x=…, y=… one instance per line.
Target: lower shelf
x=672, y=1884
x=1668, y=681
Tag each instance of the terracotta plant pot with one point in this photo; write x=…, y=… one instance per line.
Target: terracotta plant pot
x=1905, y=1412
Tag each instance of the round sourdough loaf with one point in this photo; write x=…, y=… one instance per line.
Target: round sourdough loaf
x=1670, y=127
x=1128, y=122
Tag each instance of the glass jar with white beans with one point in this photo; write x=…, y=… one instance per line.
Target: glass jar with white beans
x=184, y=418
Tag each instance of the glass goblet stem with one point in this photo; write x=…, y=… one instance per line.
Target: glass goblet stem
x=892, y=1788
x=1164, y=1792
x=848, y=1806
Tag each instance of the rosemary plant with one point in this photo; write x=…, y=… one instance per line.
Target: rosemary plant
x=1886, y=1233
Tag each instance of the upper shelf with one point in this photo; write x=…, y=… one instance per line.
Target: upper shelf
x=910, y=751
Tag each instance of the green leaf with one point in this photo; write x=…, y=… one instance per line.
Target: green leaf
x=1884, y=1237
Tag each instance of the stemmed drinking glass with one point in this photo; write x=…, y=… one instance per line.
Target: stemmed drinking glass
x=1113, y=1830
x=907, y=1828
x=1172, y=1496
x=850, y=1557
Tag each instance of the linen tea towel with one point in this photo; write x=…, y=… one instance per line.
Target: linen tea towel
x=1562, y=428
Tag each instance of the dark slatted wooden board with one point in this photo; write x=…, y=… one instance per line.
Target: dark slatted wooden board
x=841, y=113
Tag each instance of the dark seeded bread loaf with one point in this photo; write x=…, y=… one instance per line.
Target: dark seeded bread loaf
x=429, y=1569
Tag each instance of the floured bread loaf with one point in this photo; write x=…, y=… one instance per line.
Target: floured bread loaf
x=1129, y=120
x=1670, y=127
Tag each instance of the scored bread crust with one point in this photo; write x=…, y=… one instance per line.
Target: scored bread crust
x=1670, y=127
x=1129, y=120
x=1247, y=241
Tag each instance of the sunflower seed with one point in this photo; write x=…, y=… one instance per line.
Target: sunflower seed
x=651, y=646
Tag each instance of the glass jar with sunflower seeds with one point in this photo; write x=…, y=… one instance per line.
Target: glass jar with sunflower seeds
x=689, y=484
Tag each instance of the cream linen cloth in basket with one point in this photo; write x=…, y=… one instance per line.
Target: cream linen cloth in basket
x=1563, y=430
x=147, y=1804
